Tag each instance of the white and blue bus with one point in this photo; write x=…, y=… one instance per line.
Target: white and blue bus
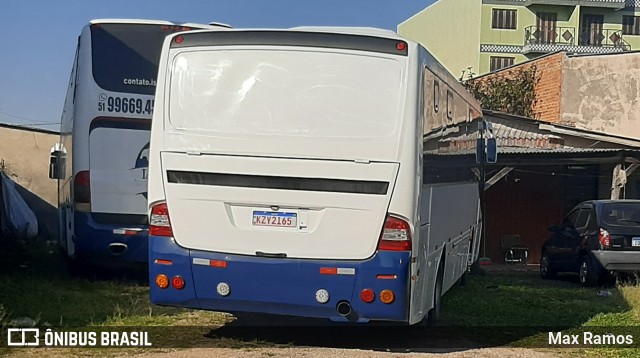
x=102, y=158
x=286, y=176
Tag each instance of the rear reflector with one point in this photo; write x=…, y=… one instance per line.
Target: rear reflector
x=218, y=263
x=337, y=271
x=159, y=223
x=396, y=235
x=386, y=277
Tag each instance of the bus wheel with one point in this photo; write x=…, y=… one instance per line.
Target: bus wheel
x=434, y=313
x=464, y=279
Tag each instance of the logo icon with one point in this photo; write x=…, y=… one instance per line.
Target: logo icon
x=142, y=164
x=23, y=337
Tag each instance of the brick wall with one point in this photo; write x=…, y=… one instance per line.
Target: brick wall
x=548, y=89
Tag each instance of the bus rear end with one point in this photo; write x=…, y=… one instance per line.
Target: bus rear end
x=114, y=101
x=273, y=164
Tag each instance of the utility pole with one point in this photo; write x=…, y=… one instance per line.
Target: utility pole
x=486, y=152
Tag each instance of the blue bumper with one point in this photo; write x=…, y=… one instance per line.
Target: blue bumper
x=94, y=242
x=280, y=286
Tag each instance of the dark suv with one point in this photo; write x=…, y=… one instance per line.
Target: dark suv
x=596, y=238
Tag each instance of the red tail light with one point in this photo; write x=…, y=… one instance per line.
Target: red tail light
x=604, y=238
x=159, y=223
x=367, y=295
x=177, y=282
x=396, y=235
x=82, y=187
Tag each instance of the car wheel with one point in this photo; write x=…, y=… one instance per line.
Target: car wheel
x=588, y=274
x=546, y=270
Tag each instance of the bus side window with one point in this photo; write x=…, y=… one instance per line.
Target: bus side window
x=436, y=96
x=449, y=105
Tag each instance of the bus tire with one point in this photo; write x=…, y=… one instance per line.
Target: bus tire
x=464, y=279
x=434, y=313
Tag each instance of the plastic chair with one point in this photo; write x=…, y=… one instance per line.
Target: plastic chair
x=513, y=249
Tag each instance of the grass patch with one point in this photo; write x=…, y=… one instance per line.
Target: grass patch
x=38, y=290
x=530, y=308
x=35, y=285
x=504, y=299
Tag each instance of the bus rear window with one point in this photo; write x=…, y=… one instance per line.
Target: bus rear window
x=126, y=56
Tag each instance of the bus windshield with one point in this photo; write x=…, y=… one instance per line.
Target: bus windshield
x=125, y=56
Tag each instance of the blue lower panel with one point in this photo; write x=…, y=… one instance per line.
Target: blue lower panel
x=280, y=286
x=93, y=239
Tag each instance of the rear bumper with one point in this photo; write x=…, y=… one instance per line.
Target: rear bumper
x=623, y=261
x=280, y=286
x=98, y=244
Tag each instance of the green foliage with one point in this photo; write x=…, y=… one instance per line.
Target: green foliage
x=512, y=92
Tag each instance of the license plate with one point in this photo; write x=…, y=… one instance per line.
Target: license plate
x=635, y=242
x=276, y=219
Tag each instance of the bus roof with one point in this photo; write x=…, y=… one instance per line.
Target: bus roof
x=154, y=22
x=371, y=31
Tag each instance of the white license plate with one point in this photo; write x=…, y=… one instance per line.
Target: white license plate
x=635, y=242
x=276, y=219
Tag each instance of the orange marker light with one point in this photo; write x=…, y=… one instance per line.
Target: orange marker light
x=387, y=296
x=162, y=281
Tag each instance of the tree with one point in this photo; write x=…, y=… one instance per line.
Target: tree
x=510, y=91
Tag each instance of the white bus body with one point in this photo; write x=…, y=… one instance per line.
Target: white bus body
x=286, y=176
x=101, y=161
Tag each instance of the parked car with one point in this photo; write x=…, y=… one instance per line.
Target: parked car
x=595, y=239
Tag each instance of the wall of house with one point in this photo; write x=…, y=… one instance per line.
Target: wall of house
x=549, y=70
x=450, y=30
x=602, y=93
x=24, y=157
x=491, y=36
x=525, y=202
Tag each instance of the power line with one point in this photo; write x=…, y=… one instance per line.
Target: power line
x=27, y=119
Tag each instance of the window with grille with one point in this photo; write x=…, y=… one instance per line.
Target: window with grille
x=500, y=62
x=503, y=19
x=631, y=25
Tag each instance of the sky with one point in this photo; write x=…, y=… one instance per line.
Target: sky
x=39, y=37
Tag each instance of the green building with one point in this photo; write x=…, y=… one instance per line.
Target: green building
x=486, y=35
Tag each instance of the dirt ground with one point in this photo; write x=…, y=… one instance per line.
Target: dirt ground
x=354, y=353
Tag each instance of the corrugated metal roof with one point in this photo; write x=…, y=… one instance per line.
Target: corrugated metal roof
x=527, y=150
x=515, y=135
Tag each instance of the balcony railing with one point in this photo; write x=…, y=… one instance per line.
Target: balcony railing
x=547, y=39
x=534, y=35
x=613, y=4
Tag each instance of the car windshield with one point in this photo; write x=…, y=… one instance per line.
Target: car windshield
x=622, y=214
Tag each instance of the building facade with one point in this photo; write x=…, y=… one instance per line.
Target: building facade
x=593, y=92
x=481, y=36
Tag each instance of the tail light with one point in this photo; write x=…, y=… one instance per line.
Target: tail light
x=177, y=282
x=367, y=295
x=82, y=187
x=396, y=235
x=159, y=223
x=604, y=238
